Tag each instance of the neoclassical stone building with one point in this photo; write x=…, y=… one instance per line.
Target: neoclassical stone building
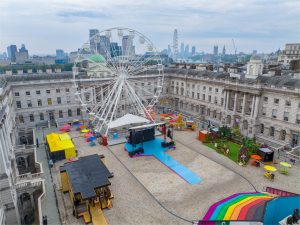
x=267, y=107
x=21, y=176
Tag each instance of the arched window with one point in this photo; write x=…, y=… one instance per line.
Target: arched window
x=262, y=128
x=272, y=131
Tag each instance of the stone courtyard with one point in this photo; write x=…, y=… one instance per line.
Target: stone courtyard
x=147, y=192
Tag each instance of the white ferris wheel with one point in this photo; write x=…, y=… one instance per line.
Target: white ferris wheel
x=124, y=74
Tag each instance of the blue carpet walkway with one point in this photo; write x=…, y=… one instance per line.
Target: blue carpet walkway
x=153, y=148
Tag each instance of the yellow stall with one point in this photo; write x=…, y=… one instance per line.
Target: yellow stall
x=60, y=146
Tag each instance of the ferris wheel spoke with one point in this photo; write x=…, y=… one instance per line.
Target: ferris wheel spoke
x=119, y=84
x=112, y=106
x=132, y=102
x=140, y=66
x=99, y=108
x=138, y=101
x=111, y=61
x=142, y=89
x=107, y=100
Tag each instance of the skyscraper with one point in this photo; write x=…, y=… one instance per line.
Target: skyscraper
x=94, y=40
x=22, y=56
x=175, y=45
x=216, y=51
x=115, y=49
x=187, y=51
x=11, y=52
x=193, y=50
x=224, y=50
x=170, y=50
x=127, y=46
x=104, y=46
x=182, y=49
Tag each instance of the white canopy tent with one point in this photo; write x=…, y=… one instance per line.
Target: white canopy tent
x=126, y=120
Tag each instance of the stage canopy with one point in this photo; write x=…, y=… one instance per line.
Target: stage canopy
x=126, y=120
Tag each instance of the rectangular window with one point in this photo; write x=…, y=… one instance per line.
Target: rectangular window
x=276, y=100
x=222, y=101
x=265, y=99
x=274, y=113
x=68, y=99
x=204, y=88
x=27, y=92
x=49, y=100
x=217, y=90
x=69, y=112
x=39, y=101
x=17, y=94
x=203, y=97
x=216, y=100
x=79, y=111
x=287, y=102
x=48, y=91
x=41, y=116
x=264, y=110
x=58, y=100
x=29, y=104
x=198, y=96
x=60, y=114
x=19, y=106
x=286, y=116
x=298, y=118
x=31, y=118
x=38, y=92
x=57, y=90
x=209, y=98
x=21, y=119
x=210, y=89
x=193, y=95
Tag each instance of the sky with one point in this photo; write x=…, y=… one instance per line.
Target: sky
x=46, y=25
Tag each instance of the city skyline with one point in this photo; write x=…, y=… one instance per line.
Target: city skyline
x=253, y=24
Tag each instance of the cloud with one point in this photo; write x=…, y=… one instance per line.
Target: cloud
x=84, y=14
x=254, y=24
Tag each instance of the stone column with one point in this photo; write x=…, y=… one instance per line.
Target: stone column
x=256, y=107
x=244, y=103
x=227, y=100
x=253, y=105
x=235, y=102
x=5, y=152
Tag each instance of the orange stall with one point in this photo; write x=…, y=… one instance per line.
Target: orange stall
x=202, y=135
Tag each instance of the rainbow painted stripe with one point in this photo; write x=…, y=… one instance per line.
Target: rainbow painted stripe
x=241, y=206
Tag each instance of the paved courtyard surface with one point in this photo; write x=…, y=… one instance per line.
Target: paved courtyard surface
x=148, y=192
x=49, y=207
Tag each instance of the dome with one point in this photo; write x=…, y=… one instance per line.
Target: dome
x=97, y=58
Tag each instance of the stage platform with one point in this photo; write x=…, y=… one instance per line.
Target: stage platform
x=154, y=148
x=121, y=140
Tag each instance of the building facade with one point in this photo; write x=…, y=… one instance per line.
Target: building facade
x=21, y=176
x=291, y=52
x=267, y=107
